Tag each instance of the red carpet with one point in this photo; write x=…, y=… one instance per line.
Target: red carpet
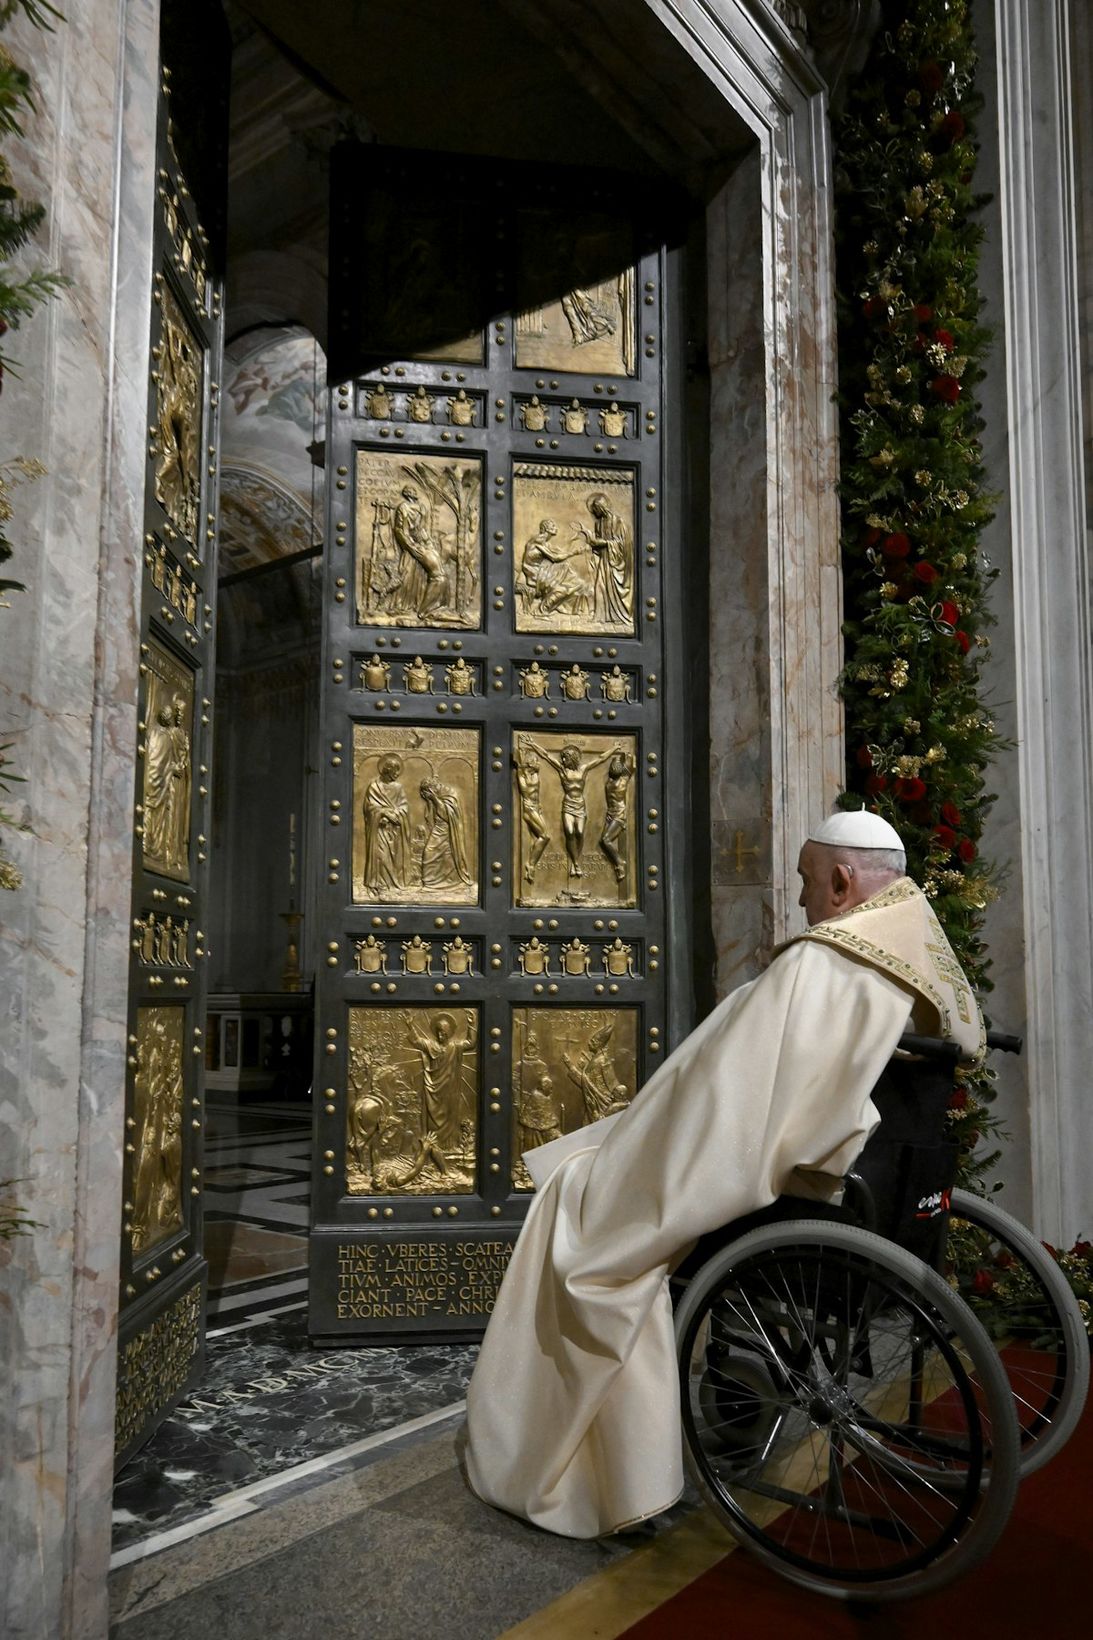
x=1038, y=1581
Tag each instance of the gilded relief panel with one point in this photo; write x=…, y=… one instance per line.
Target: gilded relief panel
x=418, y=547
x=418, y=276
x=570, y=1066
x=574, y=830
x=573, y=536
x=178, y=374
x=156, y=1187
x=412, y=1110
x=168, y=728
x=592, y=327
x=415, y=816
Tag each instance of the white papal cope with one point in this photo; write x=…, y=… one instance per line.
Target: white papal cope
x=573, y=1411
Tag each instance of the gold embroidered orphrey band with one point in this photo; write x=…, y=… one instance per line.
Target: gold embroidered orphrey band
x=903, y=891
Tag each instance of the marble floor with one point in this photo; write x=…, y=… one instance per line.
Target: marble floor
x=257, y=1194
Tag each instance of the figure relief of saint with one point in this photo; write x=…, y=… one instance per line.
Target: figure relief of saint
x=167, y=788
x=593, y=1072
x=613, y=567
x=538, y=1115
x=157, y=1170
x=422, y=583
x=447, y=1105
x=444, y=856
x=386, y=830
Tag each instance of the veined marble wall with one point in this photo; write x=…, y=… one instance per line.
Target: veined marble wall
x=68, y=690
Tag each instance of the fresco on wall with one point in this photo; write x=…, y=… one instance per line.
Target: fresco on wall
x=271, y=496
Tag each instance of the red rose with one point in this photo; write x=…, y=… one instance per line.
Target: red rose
x=874, y=306
x=946, y=836
x=3, y=327
x=1004, y=1260
x=910, y=790
x=875, y=783
x=1082, y=1249
x=871, y=537
x=958, y=1099
x=946, y=339
x=952, y=127
x=1052, y=1250
x=931, y=75
x=983, y=1282
x=966, y=850
x=950, y=814
x=947, y=388
x=963, y=641
x=925, y=572
x=896, y=545
x=922, y=312
x=864, y=757
x=950, y=613
x=920, y=343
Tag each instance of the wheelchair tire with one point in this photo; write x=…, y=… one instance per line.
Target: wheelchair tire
x=1026, y=1305
x=884, y=1460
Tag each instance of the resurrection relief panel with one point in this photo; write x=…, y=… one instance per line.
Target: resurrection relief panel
x=496, y=666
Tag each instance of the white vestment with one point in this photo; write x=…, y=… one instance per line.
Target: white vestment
x=573, y=1410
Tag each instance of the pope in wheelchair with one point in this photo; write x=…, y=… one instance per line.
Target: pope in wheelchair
x=842, y=1410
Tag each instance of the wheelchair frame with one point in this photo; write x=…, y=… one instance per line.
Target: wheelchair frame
x=845, y=1412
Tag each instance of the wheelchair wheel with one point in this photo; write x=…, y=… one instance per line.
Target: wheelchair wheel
x=1019, y=1294
x=839, y=1404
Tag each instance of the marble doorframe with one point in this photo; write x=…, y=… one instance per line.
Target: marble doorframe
x=70, y=696
x=776, y=719
x=72, y=672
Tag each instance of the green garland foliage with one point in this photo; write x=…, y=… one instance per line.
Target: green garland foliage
x=912, y=347
x=20, y=295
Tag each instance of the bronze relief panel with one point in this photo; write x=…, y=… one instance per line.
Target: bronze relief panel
x=168, y=727
x=418, y=540
x=570, y=1066
x=178, y=374
x=592, y=327
x=158, y=1091
x=573, y=534
x=415, y=816
x=412, y=1109
x=574, y=831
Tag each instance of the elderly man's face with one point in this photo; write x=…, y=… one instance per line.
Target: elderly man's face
x=823, y=889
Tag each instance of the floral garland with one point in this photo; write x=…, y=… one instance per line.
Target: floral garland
x=911, y=357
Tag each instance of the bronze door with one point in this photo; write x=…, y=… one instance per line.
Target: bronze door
x=163, y=1271
x=495, y=741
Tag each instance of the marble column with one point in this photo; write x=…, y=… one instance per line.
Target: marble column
x=68, y=692
x=1045, y=814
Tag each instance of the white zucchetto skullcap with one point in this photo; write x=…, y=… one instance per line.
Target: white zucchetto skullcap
x=856, y=829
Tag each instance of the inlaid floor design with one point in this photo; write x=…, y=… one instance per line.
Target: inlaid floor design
x=257, y=1192
x=269, y=1403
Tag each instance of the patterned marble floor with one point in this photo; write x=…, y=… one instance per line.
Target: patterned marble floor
x=269, y=1406
x=257, y=1191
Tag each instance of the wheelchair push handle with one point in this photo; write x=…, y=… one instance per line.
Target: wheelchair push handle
x=948, y=1052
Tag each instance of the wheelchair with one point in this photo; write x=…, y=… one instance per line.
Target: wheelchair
x=846, y=1412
